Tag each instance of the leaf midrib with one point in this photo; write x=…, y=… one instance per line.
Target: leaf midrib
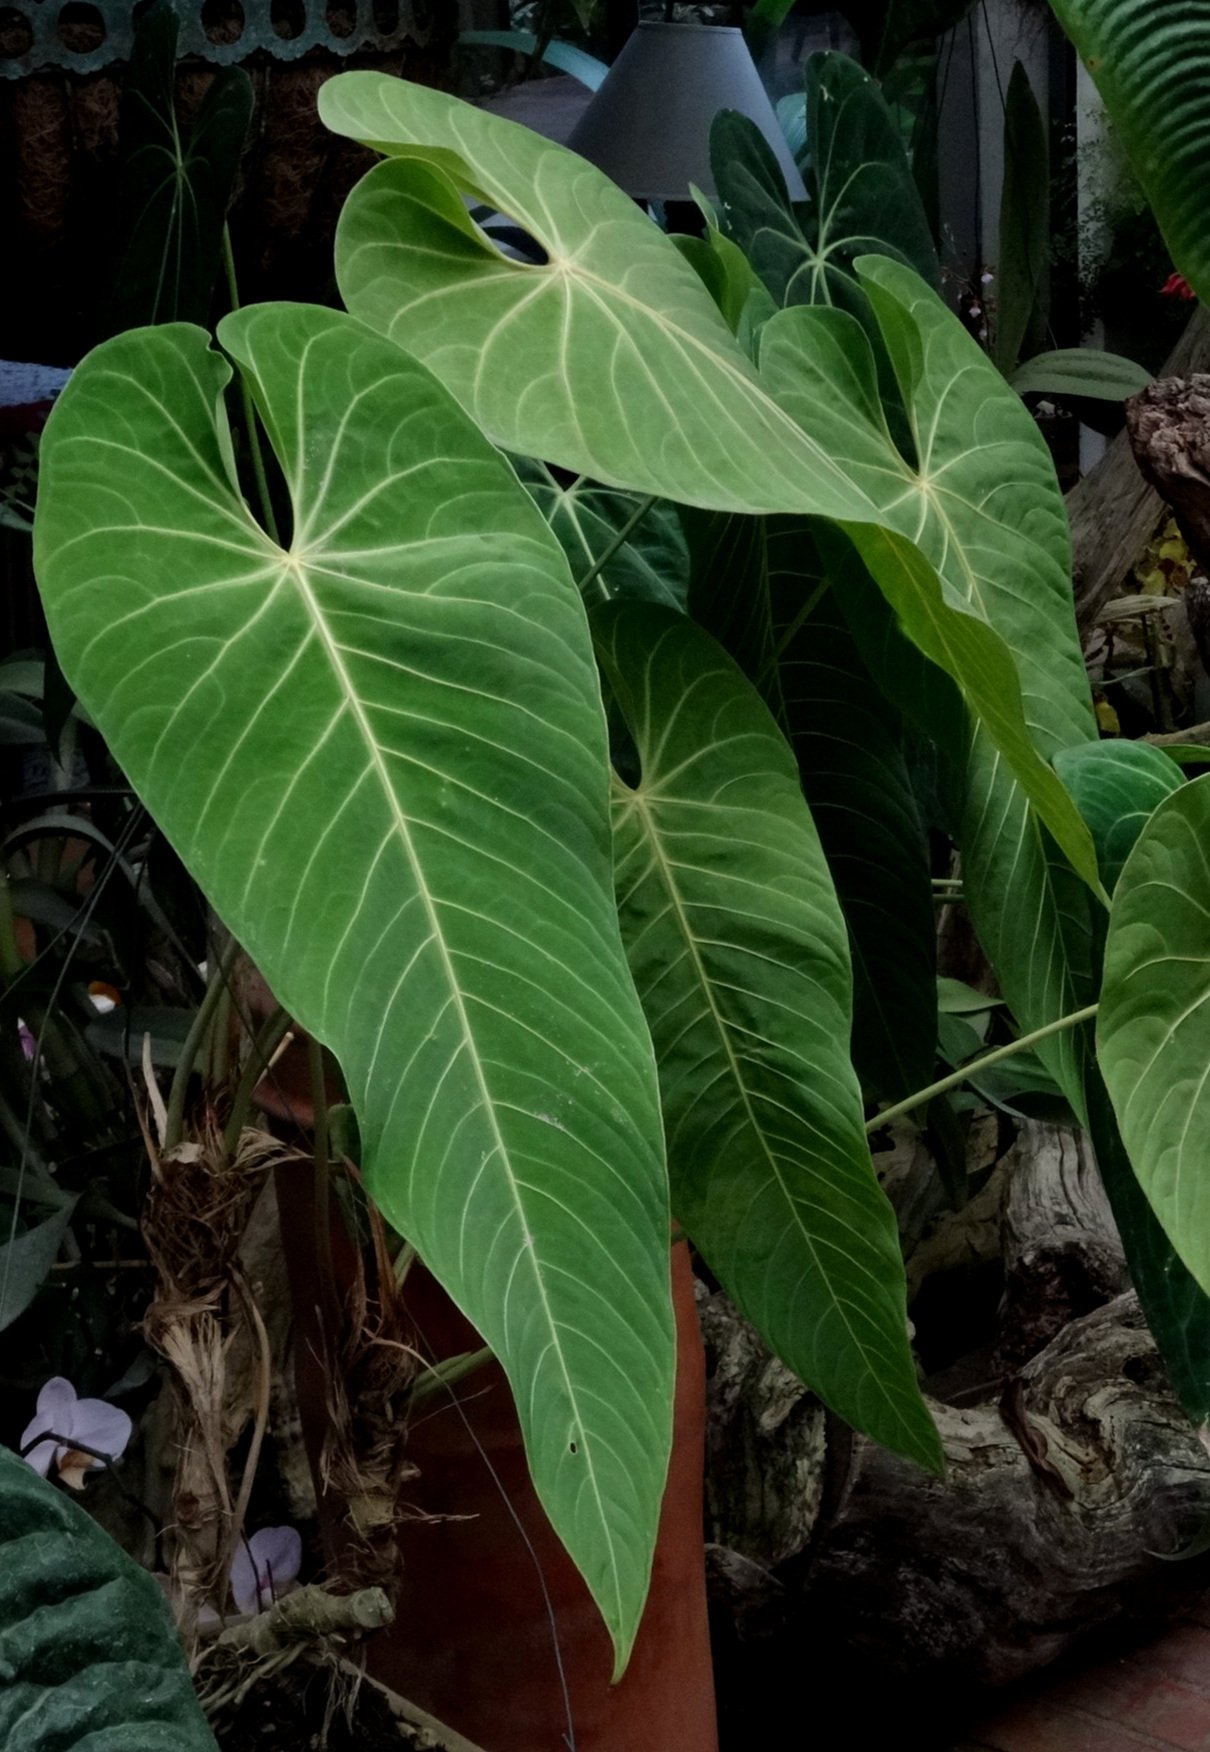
x=295, y=566
x=635, y=799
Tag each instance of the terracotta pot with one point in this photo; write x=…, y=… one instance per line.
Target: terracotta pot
x=473, y=1641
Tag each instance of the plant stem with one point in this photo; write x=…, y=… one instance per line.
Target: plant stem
x=323, y=1193
x=620, y=539
x=269, y=1037
x=253, y=430
x=966, y=1071
x=440, y=1375
x=174, y=1122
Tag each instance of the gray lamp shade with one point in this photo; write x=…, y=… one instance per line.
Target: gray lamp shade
x=648, y=127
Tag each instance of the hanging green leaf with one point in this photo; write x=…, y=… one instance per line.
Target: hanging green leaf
x=849, y=745
x=889, y=27
x=1150, y=61
x=1116, y=786
x=1024, y=255
x=174, y=186
x=1153, y=1028
x=1176, y=1307
x=619, y=542
x=1032, y=916
x=612, y=359
x=862, y=197
x=89, y=1653
x=1080, y=371
x=739, y=951
x=381, y=751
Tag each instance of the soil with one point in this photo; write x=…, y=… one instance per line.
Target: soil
x=295, y=1711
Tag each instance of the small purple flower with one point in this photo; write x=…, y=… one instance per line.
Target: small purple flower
x=264, y=1568
x=88, y=1421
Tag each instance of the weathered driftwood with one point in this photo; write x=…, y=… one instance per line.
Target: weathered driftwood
x=1114, y=512
x=1169, y=429
x=1071, y=1470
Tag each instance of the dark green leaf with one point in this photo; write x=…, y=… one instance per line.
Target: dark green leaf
x=1176, y=1307
x=862, y=198
x=1116, y=786
x=1150, y=61
x=1080, y=371
x=652, y=562
x=89, y=1656
x=173, y=187
x=1024, y=226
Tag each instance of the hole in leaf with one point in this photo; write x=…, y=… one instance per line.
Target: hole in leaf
x=572, y=1449
x=386, y=16
x=81, y=27
x=223, y=20
x=288, y=18
x=341, y=19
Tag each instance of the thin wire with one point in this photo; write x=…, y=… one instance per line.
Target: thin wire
x=35, y=1063
x=569, y=1738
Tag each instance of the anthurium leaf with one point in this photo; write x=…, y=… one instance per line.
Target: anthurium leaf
x=88, y=1650
x=613, y=360
x=618, y=543
x=174, y=185
x=1153, y=1027
x=1176, y=1306
x=1150, y=61
x=1024, y=223
x=1116, y=786
x=1080, y=371
x=739, y=951
x=862, y=197
x=381, y=751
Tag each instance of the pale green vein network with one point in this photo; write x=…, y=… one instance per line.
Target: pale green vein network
x=385, y=761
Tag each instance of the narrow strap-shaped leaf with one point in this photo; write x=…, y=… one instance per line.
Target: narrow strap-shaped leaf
x=89, y=1656
x=1024, y=224
x=1150, y=60
x=741, y=958
x=382, y=752
x=1153, y=1027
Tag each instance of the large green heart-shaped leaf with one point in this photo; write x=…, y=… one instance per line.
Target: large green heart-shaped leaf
x=88, y=1652
x=1153, y=1027
x=739, y=950
x=382, y=752
x=612, y=359
x=1150, y=61
x=862, y=196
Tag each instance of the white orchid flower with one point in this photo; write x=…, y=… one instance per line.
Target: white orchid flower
x=80, y=1425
